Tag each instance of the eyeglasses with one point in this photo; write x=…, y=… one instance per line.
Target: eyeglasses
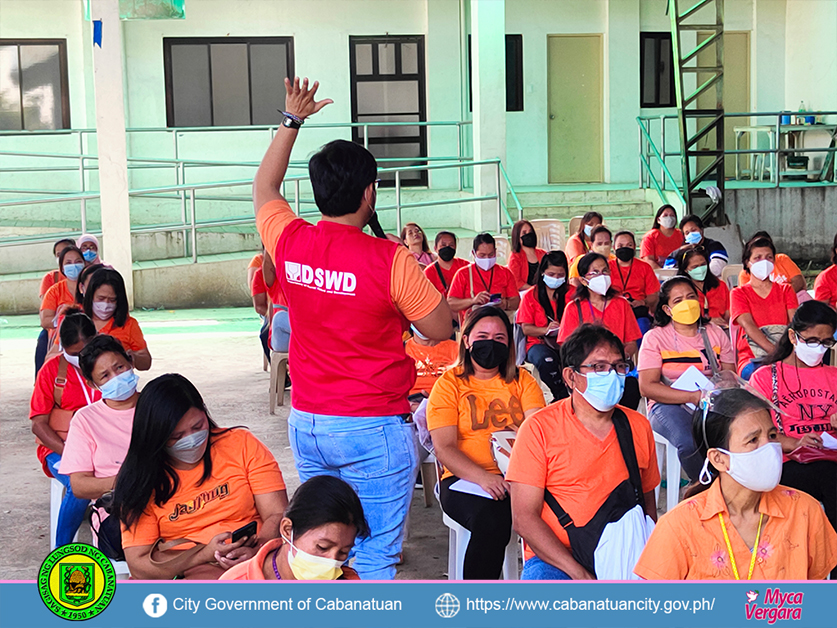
x=603, y=368
x=596, y=273
x=828, y=343
x=376, y=182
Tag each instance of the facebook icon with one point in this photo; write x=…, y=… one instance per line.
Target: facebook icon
x=155, y=605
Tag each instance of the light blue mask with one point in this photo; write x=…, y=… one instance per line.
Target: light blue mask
x=89, y=255
x=121, y=387
x=72, y=271
x=553, y=283
x=693, y=237
x=604, y=390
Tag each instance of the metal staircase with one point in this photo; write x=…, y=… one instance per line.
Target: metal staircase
x=700, y=123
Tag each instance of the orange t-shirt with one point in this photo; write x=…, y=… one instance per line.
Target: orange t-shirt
x=50, y=279
x=58, y=295
x=130, y=334
x=241, y=468
x=555, y=451
x=257, y=261
x=253, y=569
x=498, y=280
x=716, y=301
x=784, y=269
x=655, y=244
x=825, y=287
x=770, y=311
x=618, y=317
x=431, y=362
x=519, y=266
x=479, y=407
x=442, y=284
x=797, y=541
x=638, y=280
x=574, y=265
x=575, y=247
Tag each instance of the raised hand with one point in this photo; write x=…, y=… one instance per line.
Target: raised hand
x=299, y=99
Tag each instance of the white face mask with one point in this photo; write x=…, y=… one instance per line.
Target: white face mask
x=72, y=359
x=668, y=222
x=759, y=470
x=103, y=310
x=485, y=263
x=812, y=356
x=599, y=284
x=189, y=449
x=761, y=269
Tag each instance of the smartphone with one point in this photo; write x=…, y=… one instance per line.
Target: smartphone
x=496, y=298
x=415, y=398
x=247, y=530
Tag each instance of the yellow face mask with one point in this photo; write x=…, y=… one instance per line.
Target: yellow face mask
x=306, y=566
x=686, y=312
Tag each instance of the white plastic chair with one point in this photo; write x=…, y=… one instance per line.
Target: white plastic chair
x=56, y=496
x=668, y=451
x=730, y=274
x=278, y=370
x=550, y=232
x=458, y=538
x=503, y=246
x=120, y=568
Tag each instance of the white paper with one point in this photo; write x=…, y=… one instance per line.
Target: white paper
x=691, y=380
x=464, y=486
x=828, y=441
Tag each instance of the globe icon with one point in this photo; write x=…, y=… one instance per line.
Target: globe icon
x=447, y=605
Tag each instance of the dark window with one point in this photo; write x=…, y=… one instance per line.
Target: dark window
x=514, y=73
x=656, y=70
x=34, y=93
x=228, y=81
x=387, y=75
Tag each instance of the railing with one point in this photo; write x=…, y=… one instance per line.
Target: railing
x=646, y=172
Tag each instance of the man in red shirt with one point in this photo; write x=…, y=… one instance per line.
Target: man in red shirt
x=350, y=297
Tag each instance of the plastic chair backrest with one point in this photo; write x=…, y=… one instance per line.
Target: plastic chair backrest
x=551, y=235
x=574, y=222
x=503, y=249
x=729, y=274
x=665, y=273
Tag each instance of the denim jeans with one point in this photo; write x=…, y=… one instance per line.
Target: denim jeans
x=536, y=569
x=377, y=456
x=548, y=363
x=749, y=369
x=41, y=350
x=675, y=423
x=280, y=336
x=72, y=509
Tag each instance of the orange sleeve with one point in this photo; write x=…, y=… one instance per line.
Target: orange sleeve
x=271, y=220
x=664, y=556
x=145, y=531
x=46, y=283
x=443, y=404
x=50, y=301
x=822, y=548
x=743, y=277
x=650, y=475
x=136, y=340
x=531, y=395
x=788, y=267
x=574, y=268
x=824, y=287
x=263, y=472
x=256, y=262
x=528, y=459
x=413, y=294
x=574, y=247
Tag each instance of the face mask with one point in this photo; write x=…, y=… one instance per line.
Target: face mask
x=485, y=263
x=693, y=237
x=588, y=229
x=599, y=284
x=686, y=312
x=529, y=240
x=699, y=273
x=121, y=387
x=72, y=359
x=553, y=282
x=602, y=249
x=89, y=255
x=447, y=253
x=668, y=222
x=812, y=356
x=418, y=333
x=306, y=566
x=489, y=354
x=103, y=310
x=758, y=470
x=604, y=391
x=761, y=269
x=72, y=271
x=625, y=253
x=189, y=449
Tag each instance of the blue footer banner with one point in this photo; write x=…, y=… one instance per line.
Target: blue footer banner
x=75, y=594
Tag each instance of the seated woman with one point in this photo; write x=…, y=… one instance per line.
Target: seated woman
x=106, y=303
x=484, y=393
x=441, y=272
x=526, y=256
x=597, y=302
x=761, y=308
x=572, y=450
x=62, y=294
x=678, y=342
x=579, y=243
x=185, y=480
x=60, y=391
x=634, y=279
x=796, y=365
x=413, y=236
x=318, y=531
x=692, y=228
x=540, y=316
x=784, y=271
x=88, y=244
x=601, y=242
x=49, y=279
x=825, y=287
x=739, y=522
x=714, y=295
x=663, y=239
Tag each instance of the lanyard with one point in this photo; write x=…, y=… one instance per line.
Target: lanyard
x=729, y=547
x=83, y=385
x=490, y=279
x=624, y=279
x=593, y=312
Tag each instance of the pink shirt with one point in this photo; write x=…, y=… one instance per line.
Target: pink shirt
x=98, y=440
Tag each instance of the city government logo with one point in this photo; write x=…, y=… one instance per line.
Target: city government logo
x=447, y=605
x=76, y=581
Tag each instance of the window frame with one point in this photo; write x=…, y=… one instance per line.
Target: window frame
x=657, y=37
x=517, y=88
x=168, y=42
x=63, y=72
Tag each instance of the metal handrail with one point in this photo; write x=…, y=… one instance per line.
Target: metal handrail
x=666, y=173
x=513, y=195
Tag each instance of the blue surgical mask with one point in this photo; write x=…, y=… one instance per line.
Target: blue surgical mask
x=121, y=387
x=693, y=237
x=553, y=283
x=603, y=390
x=588, y=229
x=72, y=271
x=89, y=255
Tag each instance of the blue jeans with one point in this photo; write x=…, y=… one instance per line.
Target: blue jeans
x=536, y=569
x=675, y=423
x=747, y=371
x=377, y=456
x=72, y=509
x=548, y=363
x=280, y=336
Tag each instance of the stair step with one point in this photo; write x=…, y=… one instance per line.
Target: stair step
x=605, y=209
x=580, y=196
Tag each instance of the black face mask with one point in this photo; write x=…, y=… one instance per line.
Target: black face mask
x=625, y=253
x=529, y=240
x=489, y=354
x=447, y=253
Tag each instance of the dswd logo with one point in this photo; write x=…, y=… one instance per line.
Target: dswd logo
x=76, y=581
x=777, y=606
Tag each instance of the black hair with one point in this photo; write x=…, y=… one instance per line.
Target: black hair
x=88, y=270
x=661, y=319
x=147, y=472
x=624, y=233
x=441, y=235
x=585, y=219
x=515, y=234
x=584, y=339
x=553, y=258
x=67, y=241
x=483, y=238
x=807, y=315
x=508, y=369
x=600, y=229
x=64, y=254
x=660, y=213
x=756, y=243
x=582, y=292
x=760, y=234
x=691, y=218
x=108, y=277
x=834, y=250
x=325, y=499
x=75, y=327
x=340, y=172
x=684, y=257
x=713, y=431
x=94, y=349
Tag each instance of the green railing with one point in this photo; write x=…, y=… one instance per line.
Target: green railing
x=646, y=172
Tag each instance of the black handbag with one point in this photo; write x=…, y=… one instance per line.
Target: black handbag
x=107, y=528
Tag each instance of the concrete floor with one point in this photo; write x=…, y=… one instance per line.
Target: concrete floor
x=213, y=349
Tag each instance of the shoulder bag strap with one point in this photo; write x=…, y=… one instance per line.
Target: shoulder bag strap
x=442, y=277
x=471, y=277
x=563, y=518
x=774, y=372
x=710, y=352
x=626, y=444
x=60, y=381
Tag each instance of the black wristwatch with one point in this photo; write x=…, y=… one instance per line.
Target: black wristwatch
x=291, y=121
